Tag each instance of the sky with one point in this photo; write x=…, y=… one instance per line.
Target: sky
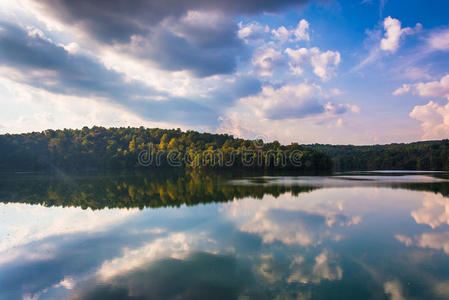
x=328, y=71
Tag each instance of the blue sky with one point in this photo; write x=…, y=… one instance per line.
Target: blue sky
x=359, y=72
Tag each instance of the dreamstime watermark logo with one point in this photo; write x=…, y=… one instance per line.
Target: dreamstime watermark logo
x=254, y=156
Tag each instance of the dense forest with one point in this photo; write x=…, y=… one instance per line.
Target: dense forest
x=99, y=148
x=429, y=155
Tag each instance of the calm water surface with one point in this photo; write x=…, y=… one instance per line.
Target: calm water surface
x=220, y=236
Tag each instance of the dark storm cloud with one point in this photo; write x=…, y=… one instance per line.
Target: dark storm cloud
x=204, y=44
x=118, y=20
x=46, y=65
x=174, y=53
x=43, y=64
x=165, y=37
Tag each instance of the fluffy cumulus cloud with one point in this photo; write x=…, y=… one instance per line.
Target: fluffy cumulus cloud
x=281, y=34
x=430, y=240
x=434, y=240
x=434, y=212
x=292, y=102
x=299, y=33
x=323, y=63
x=285, y=100
x=394, y=33
x=197, y=276
x=176, y=245
x=285, y=220
x=265, y=60
x=438, y=89
x=252, y=31
x=280, y=50
x=302, y=31
x=244, y=121
x=380, y=46
x=434, y=117
x=325, y=268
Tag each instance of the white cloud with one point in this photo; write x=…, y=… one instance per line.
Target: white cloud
x=341, y=108
x=265, y=60
x=36, y=32
x=274, y=102
x=394, y=290
x=430, y=240
x=281, y=34
x=72, y=48
x=286, y=220
x=299, y=33
x=439, y=40
x=252, y=31
x=67, y=283
x=323, y=63
x=30, y=223
x=48, y=110
x=405, y=88
x=393, y=34
x=434, y=212
x=427, y=89
x=404, y=239
x=325, y=268
x=298, y=59
x=313, y=269
x=434, y=240
x=434, y=119
x=433, y=88
x=176, y=245
x=299, y=112
x=293, y=102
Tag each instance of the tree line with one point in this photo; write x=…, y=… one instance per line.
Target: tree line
x=427, y=155
x=100, y=148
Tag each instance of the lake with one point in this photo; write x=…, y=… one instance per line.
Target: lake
x=148, y=235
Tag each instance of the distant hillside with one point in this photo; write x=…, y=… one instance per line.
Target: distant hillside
x=118, y=148
x=429, y=155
